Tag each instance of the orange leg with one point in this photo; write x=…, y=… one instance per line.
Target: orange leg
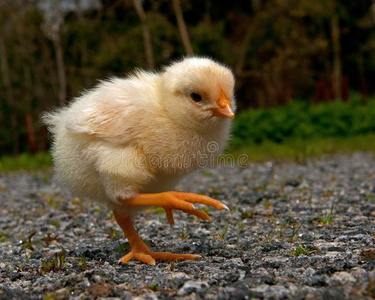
x=139, y=250
x=169, y=201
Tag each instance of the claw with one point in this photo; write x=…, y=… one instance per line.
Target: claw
x=225, y=207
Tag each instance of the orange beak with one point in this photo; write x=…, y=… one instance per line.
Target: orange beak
x=224, y=108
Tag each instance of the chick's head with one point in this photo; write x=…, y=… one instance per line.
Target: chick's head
x=198, y=92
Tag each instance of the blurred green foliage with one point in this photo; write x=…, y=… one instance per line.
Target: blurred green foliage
x=279, y=50
x=300, y=120
x=25, y=161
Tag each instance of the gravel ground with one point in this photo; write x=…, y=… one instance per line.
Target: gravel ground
x=295, y=231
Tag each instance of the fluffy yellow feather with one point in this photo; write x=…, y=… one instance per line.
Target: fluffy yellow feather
x=128, y=142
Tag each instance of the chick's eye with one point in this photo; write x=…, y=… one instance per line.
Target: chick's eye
x=195, y=97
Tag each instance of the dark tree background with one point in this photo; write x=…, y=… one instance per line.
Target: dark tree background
x=51, y=50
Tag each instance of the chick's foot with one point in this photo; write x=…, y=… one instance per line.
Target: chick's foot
x=175, y=201
x=150, y=256
x=139, y=249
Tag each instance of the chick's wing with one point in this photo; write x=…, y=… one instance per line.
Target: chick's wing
x=113, y=112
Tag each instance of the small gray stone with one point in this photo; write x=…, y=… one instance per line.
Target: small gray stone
x=341, y=278
x=192, y=287
x=149, y=296
x=360, y=274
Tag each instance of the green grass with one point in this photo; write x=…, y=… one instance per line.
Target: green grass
x=55, y=265
x=3, y=237
x=290, y=150
x=183, y=235
x=301, y=250
x=327, y=219
x=299, y=150
x=82, y=262
x=25, y=161
x=295, y=231
x=221, y=235
x=153, y=286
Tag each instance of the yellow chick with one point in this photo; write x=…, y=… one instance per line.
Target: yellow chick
x=127, y=142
